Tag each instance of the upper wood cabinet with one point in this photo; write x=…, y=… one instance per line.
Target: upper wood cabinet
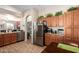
x=54, y=21
x=48, y=21
x=76, y=17
x=61, y=21
x=68, y=19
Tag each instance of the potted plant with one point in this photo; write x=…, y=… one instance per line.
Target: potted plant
x=49, y=15
x=72, y=8
x=40, y=17
x=58, y=13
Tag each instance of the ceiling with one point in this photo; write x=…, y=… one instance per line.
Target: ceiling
x=23, y=8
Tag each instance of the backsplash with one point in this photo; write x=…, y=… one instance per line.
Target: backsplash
x=57, y=30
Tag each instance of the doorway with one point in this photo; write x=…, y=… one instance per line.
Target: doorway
x=29, y=28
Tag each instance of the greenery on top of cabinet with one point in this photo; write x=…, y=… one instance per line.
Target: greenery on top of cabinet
x=40, y=17
x=58, y=13
x=72, y=8
x=49, y=15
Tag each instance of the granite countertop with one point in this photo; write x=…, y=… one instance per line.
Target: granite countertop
x=54, y=34
x=8, y=32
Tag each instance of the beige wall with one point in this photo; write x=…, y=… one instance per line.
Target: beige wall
x=34, y=14
x=53, y=9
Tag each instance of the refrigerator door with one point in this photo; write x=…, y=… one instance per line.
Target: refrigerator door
x=39, y=35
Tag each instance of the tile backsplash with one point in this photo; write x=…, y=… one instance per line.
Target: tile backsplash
x=57, y=30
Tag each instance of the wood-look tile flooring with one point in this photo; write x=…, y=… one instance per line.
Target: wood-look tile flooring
x=21, y=47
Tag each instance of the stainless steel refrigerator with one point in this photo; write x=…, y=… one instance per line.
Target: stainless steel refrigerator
x=39, y=37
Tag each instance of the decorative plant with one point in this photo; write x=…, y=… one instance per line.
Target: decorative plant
x=49, y=15
x=72, y=8
x=40, y=17
x=58, y=13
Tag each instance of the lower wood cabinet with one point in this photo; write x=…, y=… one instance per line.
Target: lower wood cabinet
x=7, y=38
x=13, y=38
x=47, y=39
x=53, y=38
x=1, y=40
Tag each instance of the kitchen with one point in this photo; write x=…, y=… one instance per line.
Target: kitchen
x=61, y=27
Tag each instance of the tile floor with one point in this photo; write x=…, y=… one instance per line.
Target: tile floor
x=21, y=47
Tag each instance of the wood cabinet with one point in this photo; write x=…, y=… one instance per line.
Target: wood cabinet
x=68, y=19
x=78, y=34
x=7, y=38
x=49, y=38
x=1, y=40
x=61, y=20
x=59, y=38
x=48, y=20
x=53, y=21
x=76, y=18
x=13, y=38
x=68, y=32
x=68, y=25
x=75, y=33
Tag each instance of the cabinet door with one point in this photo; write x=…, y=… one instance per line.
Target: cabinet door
x=78, y=34
x=68, y=19
x=48, y=21
x=75, y=37
x=7, y=39
x=57, y=20
x=13, y=38
x=61, y=21
x=54, y=38
x=54, y=21
x=1, y=40
x=47, y=39
x=59, y=38
x=76, y=18
x=68, y=33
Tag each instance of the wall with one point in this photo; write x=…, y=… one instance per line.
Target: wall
x=34, y=14
x=53, y=9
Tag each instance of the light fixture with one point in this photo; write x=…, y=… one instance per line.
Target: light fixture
x=9, y=17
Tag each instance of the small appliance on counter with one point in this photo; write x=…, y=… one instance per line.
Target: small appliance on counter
x=2, y=30
x=61, y=31
x=56, y=30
